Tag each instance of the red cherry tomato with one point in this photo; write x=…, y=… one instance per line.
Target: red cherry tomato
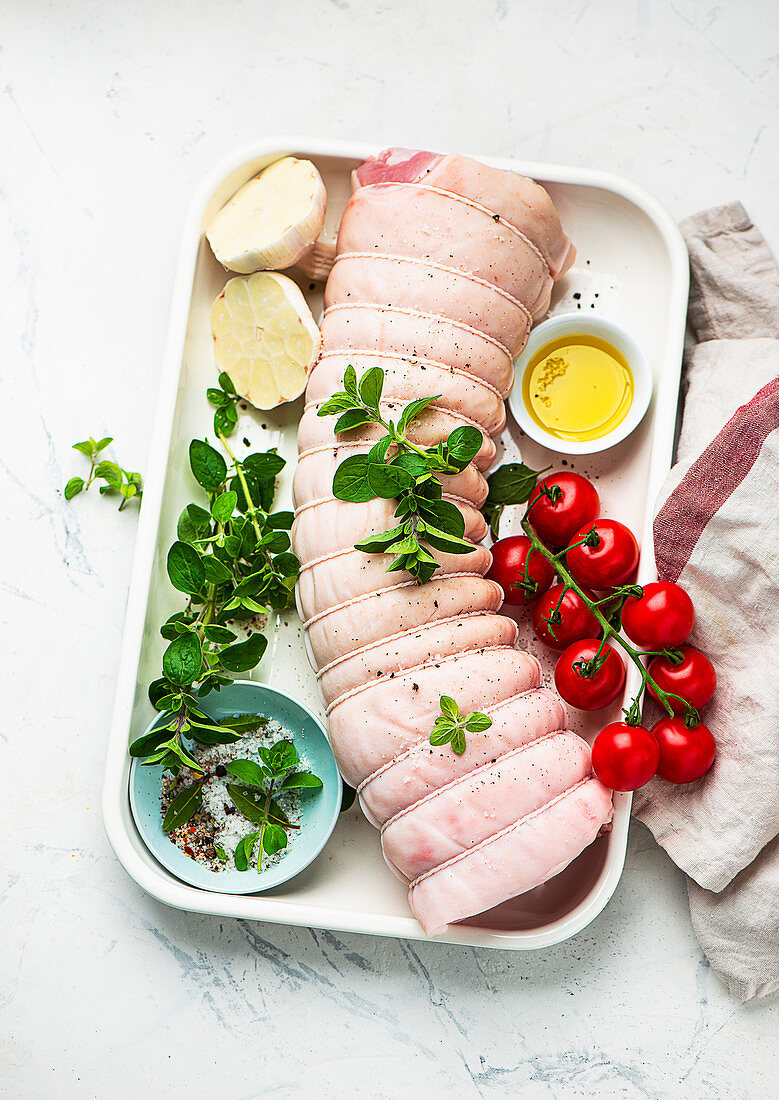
x=509, y=556
x=575, y=502
x=694, y=678
x=576, y=619
x=663, y=616
x=685, y=754
x=589, y=692
x=611, y=562
x=625, y=757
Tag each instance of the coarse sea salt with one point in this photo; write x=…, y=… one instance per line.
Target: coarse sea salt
x=230, y=825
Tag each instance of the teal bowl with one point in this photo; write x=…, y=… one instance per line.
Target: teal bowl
x=319, y=812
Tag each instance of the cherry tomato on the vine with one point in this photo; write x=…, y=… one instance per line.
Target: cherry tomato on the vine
x=589, y=692
x=522, y=573
x=685, y=753
x=610, y=562
x=663, y=616
x=560, y=504
x=625, y=757
x=693, y=678
x=576, y=619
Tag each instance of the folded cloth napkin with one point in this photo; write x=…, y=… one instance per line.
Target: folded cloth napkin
x=716, y=533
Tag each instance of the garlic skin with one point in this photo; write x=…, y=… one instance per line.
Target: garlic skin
x=272, y=220
x=264, y=337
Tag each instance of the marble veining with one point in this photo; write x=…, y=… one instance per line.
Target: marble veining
x=110, y=115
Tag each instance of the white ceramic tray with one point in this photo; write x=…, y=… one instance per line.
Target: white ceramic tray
x=632, y=267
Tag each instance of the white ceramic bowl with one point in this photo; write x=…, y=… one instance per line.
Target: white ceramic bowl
x=574, y=324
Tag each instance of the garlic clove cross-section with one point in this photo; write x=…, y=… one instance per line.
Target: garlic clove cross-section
x=264, y=337
x=273, y=221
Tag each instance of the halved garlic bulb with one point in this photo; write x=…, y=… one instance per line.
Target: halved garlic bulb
x=273, y=220
x=264, y=337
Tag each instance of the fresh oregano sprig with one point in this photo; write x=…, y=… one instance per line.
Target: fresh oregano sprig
x=511, y=483
x=232, y=560
x=264, y=782
x=408, y=477
x=225, y=397
x=260, y=784
x=128, y=483
x=450, y=727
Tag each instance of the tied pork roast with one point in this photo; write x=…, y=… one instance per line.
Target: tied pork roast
x=442, y=266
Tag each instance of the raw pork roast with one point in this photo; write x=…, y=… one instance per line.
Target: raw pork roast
x=442, y=265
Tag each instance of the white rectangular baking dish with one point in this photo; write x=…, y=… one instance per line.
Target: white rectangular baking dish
x=631, y=266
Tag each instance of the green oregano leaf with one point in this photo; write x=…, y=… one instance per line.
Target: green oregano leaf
x=224, y=506
x=463, y=445
x=449, y=708
x=301, y=780
x=274, y=839
x=351, y=419
x=208, y=466
x=149, y=743
x=512, y=483
x=350, y=481
x=243, y=851
x=458, y=741
x=264, y=465
x=219, y=634
x=388, y=482
x=110, y=473
x=378, y=544
x=414, y=410
x=450, y=544
x=370, y=387
x=226, y=382
x=185, y=568
x=283, y=755
x=477, y=722
x=338, y=403
x=215, y=571
x=248, y=772
x=243, y=656
x=74, y=487
x=193, y=522
x=87, y=447
x=350, y=381
x=415, y=464
x=182, y=660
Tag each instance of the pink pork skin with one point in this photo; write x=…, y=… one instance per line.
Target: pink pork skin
x=442, y=264
x=525, y=204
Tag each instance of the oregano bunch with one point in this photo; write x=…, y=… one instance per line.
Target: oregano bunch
x=260, y=784
x=451, y=727
x=409, y=476
x=264, y=783
x=232, y=561
x=127, y=483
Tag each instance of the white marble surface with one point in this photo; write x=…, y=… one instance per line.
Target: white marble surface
x=109, y=115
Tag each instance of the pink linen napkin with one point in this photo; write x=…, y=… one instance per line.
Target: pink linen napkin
x=716, y=533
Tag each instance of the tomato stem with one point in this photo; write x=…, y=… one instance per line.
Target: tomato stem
x=580, y=542
x=554, y=618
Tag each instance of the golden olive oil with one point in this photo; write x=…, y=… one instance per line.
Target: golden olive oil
x=578, y=387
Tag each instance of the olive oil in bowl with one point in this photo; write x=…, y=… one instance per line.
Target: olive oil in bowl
x=582, y=384
x=578, y=387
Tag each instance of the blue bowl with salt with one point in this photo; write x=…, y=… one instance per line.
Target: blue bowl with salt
x=318, y=809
